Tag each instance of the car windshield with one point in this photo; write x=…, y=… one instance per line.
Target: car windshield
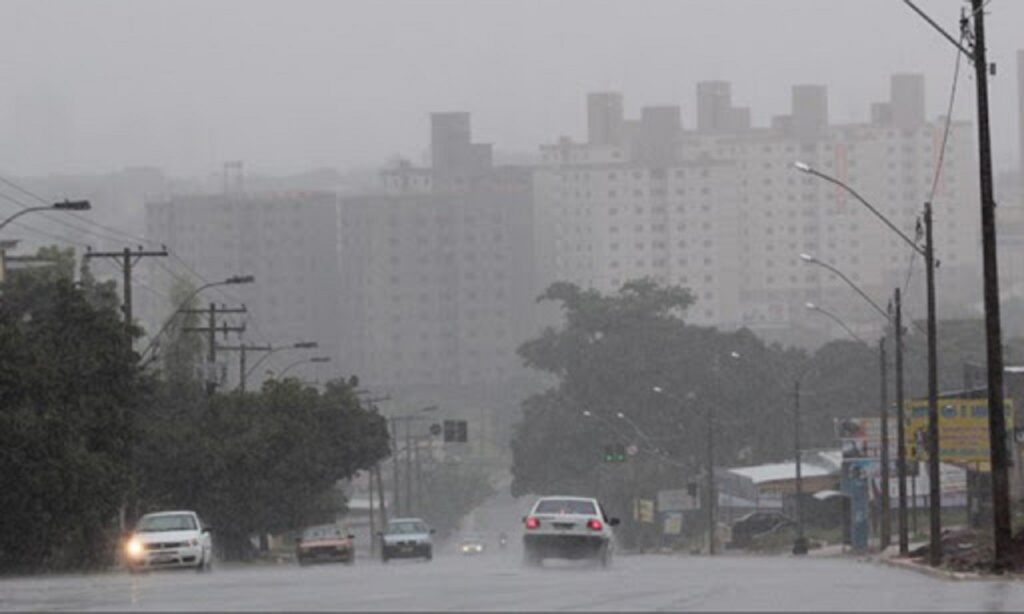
x=407, y=527
x=166, y=522
x=565, y=506
x=322, y=533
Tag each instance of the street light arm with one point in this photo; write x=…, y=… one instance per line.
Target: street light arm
x=835, y=319
x=815, y=172
x=850, y=283
x=237, y=279
x=21, y=213
x=174, y=314
x=940, y=30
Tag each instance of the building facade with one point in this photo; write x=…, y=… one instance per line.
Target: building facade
x=721, y=209
x=287, y=241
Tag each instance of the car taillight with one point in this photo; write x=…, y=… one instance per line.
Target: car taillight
x=532, y=523
x=595, y=525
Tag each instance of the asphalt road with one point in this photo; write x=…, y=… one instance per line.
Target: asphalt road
x=496, y=582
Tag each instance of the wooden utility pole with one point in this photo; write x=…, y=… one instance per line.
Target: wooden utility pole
x=127, y=259
x=999, y=458
x=886, y=533
x=211, y=330
x=242, y=349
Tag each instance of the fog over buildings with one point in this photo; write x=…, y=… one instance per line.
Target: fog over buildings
x=404, y=178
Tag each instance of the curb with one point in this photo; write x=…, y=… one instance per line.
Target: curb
x=941, y=574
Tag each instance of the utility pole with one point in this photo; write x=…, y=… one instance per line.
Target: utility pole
x=211, y=330
x=242, y=349
x=127, y=259
x=373, y=530
x=800, y=545
x=710, y=488
x=886, y=535
x=408, y=467
x=993, y=327
x=901, y=440
x=934, y=487
x=394, y=466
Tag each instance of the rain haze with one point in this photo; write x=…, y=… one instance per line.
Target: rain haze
x=512, y=305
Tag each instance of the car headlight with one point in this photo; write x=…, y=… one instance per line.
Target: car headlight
x=194, y=542
x=134, y=548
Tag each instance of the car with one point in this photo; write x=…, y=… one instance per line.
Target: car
x=472, y=544
x=329, y=542
x=406, y=538
x=172, y=539
x=747, y=528
x=568, y=528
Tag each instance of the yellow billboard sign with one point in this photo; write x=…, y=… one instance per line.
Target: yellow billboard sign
x=963, y=431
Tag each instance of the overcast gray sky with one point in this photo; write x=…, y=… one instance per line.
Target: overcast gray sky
x=96, y=85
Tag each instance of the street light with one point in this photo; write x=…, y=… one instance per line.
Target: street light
x=996, y=432
x=812, y=260
x=315, y=359
x=301, y=345
x=65, y=205
x=230, y=281
x=834, y=318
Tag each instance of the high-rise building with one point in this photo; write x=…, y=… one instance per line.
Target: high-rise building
x=730, y=216
x=287, y=241
x=604, y=118
x=907, y=95
x=436, y=288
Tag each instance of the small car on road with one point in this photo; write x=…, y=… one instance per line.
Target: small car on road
x=472, y=544
x=169, y=539
x=568, y=528
x=406, y=538
x=323, y=543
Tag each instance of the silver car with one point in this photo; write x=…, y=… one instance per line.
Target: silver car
x=406, y=538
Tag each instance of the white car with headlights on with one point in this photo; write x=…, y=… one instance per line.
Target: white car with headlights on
x=168, y=540
x=568, y=528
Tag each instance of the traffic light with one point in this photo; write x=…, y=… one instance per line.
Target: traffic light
x=455, y=431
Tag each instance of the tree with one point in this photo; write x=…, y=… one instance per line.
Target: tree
x=68, y=387
x=611, y=353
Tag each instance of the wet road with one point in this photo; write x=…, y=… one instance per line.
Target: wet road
x=494, y=582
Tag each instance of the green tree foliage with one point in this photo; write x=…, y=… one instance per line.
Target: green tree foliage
x=614, y=349
x=259, y=462
x=69, y=385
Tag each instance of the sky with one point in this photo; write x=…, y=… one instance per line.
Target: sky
x=184, y=85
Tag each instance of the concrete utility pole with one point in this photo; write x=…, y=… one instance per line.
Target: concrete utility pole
x=993, y=327
x=127, y=259
x=901, y=440
x=884, y=452
x=396, y=499
x=800, y=545
x=211, y=330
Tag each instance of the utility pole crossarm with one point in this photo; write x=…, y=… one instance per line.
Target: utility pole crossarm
x=127, y=259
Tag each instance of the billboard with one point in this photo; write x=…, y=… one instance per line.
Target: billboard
x=963, y=431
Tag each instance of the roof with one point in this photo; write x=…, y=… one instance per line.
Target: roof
x=406, y=520
x=169, y=513
x=777, y=472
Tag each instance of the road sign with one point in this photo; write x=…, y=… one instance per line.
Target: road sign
x=643, y=510
x=677, y=500
x=632, y=449
x=963, y=431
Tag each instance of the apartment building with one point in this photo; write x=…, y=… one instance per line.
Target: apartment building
x=436, y=271
x=287, y=241
x=722, y=210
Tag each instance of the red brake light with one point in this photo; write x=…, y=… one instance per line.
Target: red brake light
x=532, y=523
x=595, y=525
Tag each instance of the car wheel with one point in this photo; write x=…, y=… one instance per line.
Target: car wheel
x=531, y=558
x=384, y=557
x=606, y=557
x=350, y=559
x=429, y=556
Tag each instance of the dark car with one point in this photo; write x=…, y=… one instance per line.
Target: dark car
x=747, y=528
